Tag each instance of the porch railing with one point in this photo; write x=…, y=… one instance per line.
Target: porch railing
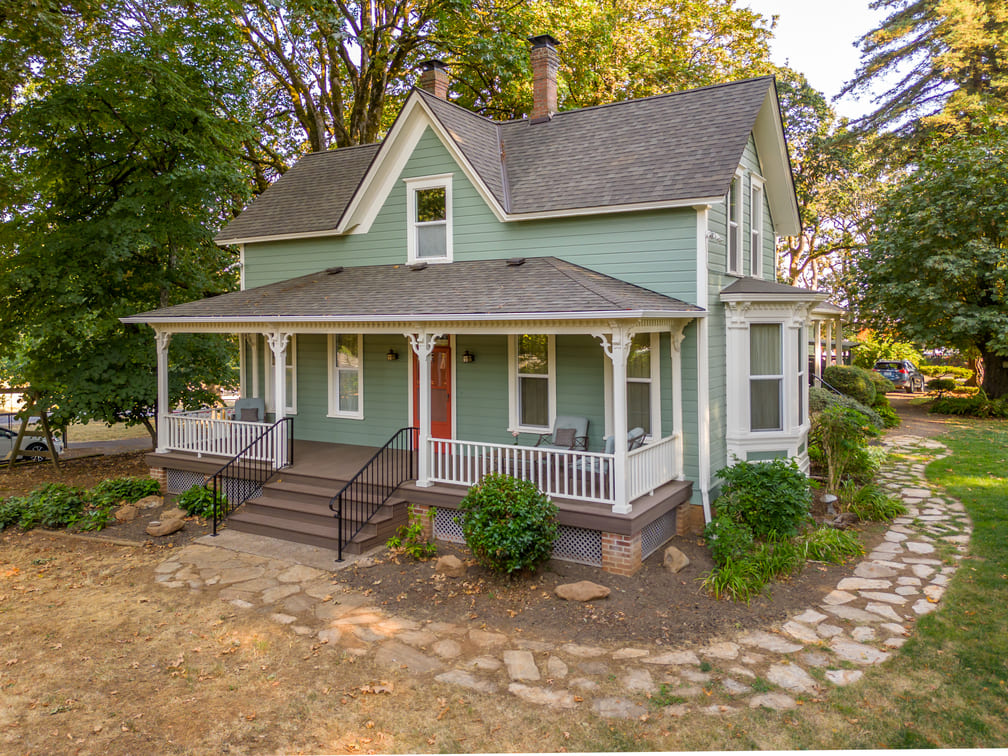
x=570, y=474
x=243, y=476
x=651, y=466
x=363, y=495
x=210, y=431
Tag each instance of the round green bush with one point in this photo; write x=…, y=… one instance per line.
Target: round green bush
x=855, y=382
x=821, y=399
x=728, y=540
x=199, y=501
x=882, y=387
x=941, y=385
x=772, y=498
x=508, y=524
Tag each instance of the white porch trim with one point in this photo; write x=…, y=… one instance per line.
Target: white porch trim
x=163, y=340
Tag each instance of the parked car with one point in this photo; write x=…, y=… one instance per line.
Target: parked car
x=30, y=443
x=902, y=373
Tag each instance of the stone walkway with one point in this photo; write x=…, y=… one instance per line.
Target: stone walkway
x=859, y=624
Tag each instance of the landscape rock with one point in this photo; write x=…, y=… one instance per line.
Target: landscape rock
x=450, y=566
x=674, y=559
x=148, y=502
x=583, y=590
x=557, y=699
x=775, y=701
x=521, y=666
x=617, y=708
x=127, y=513
x=466, y=680
x=164, y=528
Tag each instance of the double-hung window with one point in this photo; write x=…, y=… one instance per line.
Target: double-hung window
x=429, y=219
x=639, y=383
x=756, y=228
x=766, y=377
x=734, y=201
x=345, y=381
x=533, y=375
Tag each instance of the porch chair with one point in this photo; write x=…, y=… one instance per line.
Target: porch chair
x=250, y=409
x=635, y=438
x=569, y=432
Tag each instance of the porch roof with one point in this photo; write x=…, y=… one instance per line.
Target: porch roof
x=761, y=290
x=516, y=289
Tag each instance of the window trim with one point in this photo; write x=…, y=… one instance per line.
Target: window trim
x=737, y=269
x=413, y=185
x=779, y=377
x=756, y=185
x=802, y=393
x=654, y=381
x=513, y=411
x=333, y=372
x=291, y=354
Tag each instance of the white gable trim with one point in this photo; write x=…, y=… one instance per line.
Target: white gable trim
x=771, y=146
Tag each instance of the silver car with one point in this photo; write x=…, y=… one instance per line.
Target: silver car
x=30, y=443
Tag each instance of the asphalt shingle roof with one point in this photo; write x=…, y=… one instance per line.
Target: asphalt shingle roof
x=541, y=285
x=758, y=286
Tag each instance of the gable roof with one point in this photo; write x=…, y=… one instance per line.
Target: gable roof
x=669, y=150
x=485, y=289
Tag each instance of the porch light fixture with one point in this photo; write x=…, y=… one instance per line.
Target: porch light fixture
x=468, y=356
x=392, y=355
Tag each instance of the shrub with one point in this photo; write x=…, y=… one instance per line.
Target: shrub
x=199, y=500
x=54, y=505
x=941, y=385
x=728, y=540
x=409, y=537
x=946, y=371
x=842, y=433
x=10, y=511
x=977, y=405
x=854, y=382
x=117, y=490
x=873, y=349
x=882, y=387
x=773, y=498
x=509, y=524
x=821, y=398
x=889, y=417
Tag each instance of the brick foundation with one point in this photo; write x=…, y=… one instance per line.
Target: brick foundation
x=421, y=512
x=160, y=474
x=690, y=520
x=621, y=554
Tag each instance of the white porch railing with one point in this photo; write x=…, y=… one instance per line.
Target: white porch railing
x=651, y=466
x=569, y=474
x=210, y=431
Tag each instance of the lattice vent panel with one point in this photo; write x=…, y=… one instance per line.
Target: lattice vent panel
x=180, y=481
x=654, y=536
x=445, y=527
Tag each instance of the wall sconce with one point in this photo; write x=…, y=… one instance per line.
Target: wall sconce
x=468, y=356
x=392, y=355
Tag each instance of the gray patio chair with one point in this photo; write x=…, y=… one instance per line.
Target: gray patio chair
x=250, y=409
x=635, y=438
x=569, y=432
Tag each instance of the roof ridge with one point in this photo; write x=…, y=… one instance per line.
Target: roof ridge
x=594, y=290
x=349, y=147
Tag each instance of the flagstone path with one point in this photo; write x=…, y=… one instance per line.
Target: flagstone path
x=859, y=624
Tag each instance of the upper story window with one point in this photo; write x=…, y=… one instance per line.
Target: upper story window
x=756, y=228
x=429, y=219
x=734, y=201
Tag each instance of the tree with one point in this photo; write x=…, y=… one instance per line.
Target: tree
x=937, y=271
x=114, y=185
x=951, y=57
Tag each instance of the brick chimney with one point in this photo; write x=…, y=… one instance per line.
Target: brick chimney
x=545, y=63
x=434, y=78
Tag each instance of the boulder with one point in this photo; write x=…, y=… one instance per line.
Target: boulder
x=675, y=560
x=584, y=590
x=149, y=502
x=450, y=566
x=175, y=513
x=165, y=527
x=844, y=520
x=126, y=513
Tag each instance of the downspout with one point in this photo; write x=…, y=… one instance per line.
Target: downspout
x=703, y=367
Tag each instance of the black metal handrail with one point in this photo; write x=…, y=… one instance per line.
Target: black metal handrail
x=826, y=385
x=250, y=468
x=363, y=495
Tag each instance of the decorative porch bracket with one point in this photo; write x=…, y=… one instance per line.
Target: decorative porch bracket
x=163, y=340
x=423, y=344
x=617, y=348
x=278, y=341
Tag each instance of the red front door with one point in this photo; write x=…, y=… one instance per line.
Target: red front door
x=440, y=392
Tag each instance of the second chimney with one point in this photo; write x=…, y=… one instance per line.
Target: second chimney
x=545, y=63
x=434, y=78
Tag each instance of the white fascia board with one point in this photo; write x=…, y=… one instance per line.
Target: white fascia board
x=811, y=296
x=395, y=151
x=608, y=209
x=771, y=145
x=277, y=237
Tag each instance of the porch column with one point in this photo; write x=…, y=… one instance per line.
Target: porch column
x=829, y=341
x=818, y=349
x=839, y=342
x=278, y=344
x=677, y=334
x=163, y=340
x=423, y=345
x=617, y=349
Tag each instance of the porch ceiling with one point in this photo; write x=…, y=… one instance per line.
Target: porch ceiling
x=539, y=288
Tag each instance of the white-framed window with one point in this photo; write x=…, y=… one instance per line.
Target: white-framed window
x=756, y=228
x=532, y=381
x=802, y=366
x=429, y=219
x=291, y=379
x=642, y=384
x=766, y=377
x=346, y=379
x=734, y=213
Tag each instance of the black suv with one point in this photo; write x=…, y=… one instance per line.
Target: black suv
x=902, y=373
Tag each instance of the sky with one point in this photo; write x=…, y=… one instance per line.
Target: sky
x=817, y=38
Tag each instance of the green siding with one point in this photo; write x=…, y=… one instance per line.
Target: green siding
x=481, y=389
x=581, y=383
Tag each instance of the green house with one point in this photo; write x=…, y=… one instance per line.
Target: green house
x=584, y=298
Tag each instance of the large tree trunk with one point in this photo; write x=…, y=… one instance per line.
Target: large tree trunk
x=995, y=374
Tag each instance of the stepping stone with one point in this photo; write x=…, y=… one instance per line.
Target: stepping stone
x=895, y=629
x=466, y=680
x=774, y=701
x=934, y=592
x=884, y=610
x=769, y=642
x=908, y=581
x=258, y=585
x=556, y=669
x=638, y=681
x=862, y=584
x=800, y=632
x=673, y=657
x=835, y=598
x=283, y=619
x=843, y=676
x=555, y=699
x=791, y=677
x=742, y=672
x=917, y=547
x=940, y=580
x=889, y=598
x=485, y=663
x=907, y=590
x=857, y=653
x=677, y=710
x=852, y=614
x=166, y=567
x=922, y=570
x=240, y=575
x=957, y=539
x=923, y=607
x=894, y=536
x=584, y=684
x=299, y=573
x=597, y=668
x=815, y=658
x=894, y=642
x=582, y=652
x=875, y=570
x=398, y=655
x=617, y=708
x=863, y=634
x=888, y=547
x=330, y=635
x=484, y=639
x=417, y=637
x=810, y=617
x=696, y=676
x=629, y=653
x=521, y=666
x=718, y=710
x=537, y=647
x=447, y=648
x=734, y=688
x=725, y=650
x=923, y=493
x=241, y=603
x=827, y=630
x=272, y=595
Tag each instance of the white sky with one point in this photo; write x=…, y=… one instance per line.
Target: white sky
x=816, y=37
